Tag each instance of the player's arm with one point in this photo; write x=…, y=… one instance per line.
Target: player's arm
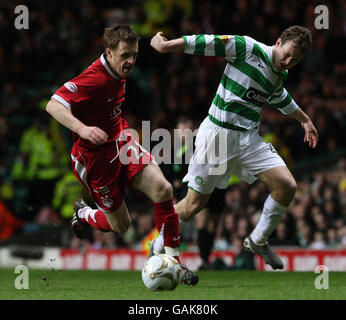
x=64, y=116
x=162, y=45
x=228, y=47
x=311, y=134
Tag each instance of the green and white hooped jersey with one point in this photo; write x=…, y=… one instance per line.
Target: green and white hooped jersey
x=249, y=80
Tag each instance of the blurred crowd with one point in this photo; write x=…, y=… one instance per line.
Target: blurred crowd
x=315, y=219
x=37, y=186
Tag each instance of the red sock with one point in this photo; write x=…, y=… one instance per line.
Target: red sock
x=167, y=220
x=98, y=220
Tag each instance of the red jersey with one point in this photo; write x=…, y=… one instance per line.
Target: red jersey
x=94, y=97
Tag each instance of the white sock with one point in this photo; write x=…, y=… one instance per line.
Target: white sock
x=270, y=218
x=172, y=251
x=159, y=243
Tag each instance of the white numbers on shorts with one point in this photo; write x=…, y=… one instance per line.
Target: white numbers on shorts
x=135, y=151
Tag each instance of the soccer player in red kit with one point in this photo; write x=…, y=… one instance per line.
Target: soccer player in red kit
x=90, y=106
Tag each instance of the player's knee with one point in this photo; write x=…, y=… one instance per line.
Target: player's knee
x=163, y=191
x=290, y=187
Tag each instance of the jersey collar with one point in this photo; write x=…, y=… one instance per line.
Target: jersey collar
x=105, y=64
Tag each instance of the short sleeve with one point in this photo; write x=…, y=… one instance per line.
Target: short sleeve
x=282, y=101
x=76, y=91
x=226, y=46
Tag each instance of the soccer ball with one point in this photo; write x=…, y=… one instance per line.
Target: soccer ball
x=161, y=272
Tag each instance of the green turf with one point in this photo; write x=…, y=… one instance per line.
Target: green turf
x=213, y=285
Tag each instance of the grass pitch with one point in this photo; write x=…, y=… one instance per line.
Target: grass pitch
x=213, y=285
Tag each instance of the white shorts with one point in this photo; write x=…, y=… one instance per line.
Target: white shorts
x=246, y=156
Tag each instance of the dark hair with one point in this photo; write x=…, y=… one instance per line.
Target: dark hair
x=300, y=35
x=119, y=32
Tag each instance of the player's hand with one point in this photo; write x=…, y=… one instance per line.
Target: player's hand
x=311, y=134
x=94, y=134
x=157, y=41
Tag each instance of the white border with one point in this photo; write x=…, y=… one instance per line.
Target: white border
x=61, y=100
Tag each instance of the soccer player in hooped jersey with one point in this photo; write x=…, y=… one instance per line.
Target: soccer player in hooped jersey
x=254, y=74
x=90, y=106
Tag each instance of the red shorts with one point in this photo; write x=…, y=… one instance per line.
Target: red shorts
x=106, y=170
